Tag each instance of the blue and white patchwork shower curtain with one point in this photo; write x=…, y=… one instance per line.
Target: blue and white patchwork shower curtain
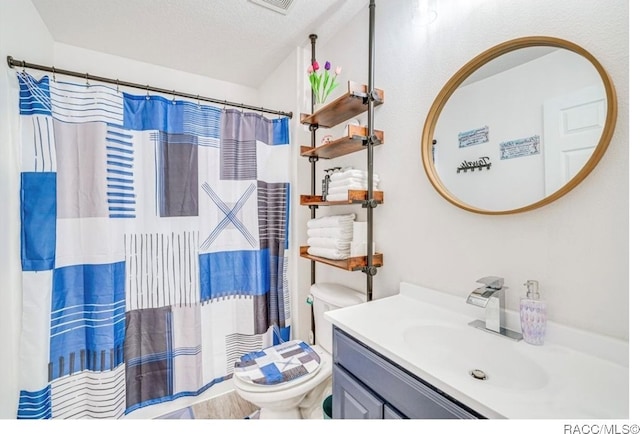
x=154, y=245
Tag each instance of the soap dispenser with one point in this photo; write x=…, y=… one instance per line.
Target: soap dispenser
x=533, y=315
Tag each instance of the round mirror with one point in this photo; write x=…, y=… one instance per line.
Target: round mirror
x=519, y=126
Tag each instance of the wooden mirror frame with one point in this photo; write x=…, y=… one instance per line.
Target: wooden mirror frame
x=472, y=66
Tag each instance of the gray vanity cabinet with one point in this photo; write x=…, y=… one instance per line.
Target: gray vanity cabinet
x=366, y=385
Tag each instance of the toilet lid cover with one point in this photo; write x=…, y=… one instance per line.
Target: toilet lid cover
x=277, y=364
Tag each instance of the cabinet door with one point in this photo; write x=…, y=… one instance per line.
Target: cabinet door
x=391, y=413
x=351, y=400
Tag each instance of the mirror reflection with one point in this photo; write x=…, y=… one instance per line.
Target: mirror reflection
x=520, y=129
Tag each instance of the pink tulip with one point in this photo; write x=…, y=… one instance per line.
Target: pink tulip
x=322, y=84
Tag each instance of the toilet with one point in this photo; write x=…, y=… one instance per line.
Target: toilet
x=299, y=397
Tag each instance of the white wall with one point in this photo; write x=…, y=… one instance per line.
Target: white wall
x=576, y=247
x=106, y=65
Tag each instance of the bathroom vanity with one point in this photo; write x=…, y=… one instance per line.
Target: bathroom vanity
x=367, y=385
x=414, y=355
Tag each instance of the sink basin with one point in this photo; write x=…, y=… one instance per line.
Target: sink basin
x=494, y=361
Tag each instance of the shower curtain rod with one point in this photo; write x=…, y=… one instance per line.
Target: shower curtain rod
x=21, y=63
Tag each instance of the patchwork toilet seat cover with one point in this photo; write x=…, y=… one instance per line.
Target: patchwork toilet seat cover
x=278, y=364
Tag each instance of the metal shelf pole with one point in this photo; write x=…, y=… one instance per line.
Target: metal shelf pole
x=370, y=269
x=313, y=160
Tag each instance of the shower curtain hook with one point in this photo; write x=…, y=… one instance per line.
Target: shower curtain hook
x=173, y=101
x=117, y=85
x=23, y=67
x=224, y=107
x=86, y=77
x=198, y=100
x=148, y=97
x=53, y=71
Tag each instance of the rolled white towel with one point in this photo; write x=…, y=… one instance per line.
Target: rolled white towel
x=332, y=221
x=336, y=233
x=331, y=243
x=328, y=252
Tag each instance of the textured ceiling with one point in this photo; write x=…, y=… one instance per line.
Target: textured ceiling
x=231, y=40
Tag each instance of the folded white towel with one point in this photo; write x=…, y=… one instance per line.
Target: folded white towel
x=337, y=190
x=337, y=197
x=359, y=232
x=351, y=181
x=331, y=243
x=328, y=253
x=336, y=233
x=332, y=221
x=352, y=173
x=360, y=249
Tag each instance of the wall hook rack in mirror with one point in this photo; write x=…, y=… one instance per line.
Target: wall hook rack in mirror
x=479, y=164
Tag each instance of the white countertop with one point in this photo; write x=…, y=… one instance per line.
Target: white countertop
x=574, y=375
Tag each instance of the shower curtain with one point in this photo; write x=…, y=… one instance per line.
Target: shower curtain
x=154, y=246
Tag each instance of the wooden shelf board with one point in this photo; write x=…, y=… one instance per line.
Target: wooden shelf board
x=352, y=142
x=354, y=196
x=349, y=264
x=345, y=107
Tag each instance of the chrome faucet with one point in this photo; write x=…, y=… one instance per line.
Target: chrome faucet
x=491, y=298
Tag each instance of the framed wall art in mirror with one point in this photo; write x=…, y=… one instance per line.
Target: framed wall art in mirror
x=519, y=126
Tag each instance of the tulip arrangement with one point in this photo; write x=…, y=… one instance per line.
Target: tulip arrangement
x=322, y=83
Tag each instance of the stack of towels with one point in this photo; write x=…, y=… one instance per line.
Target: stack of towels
x=330, y=237
x=348, y=179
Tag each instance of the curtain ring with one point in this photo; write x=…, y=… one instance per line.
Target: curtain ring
x=224, y=107
x=86, y=77
x=174, y=97
x=53, y=70
x=23, y=67
x=148, y=97
x=117, y=85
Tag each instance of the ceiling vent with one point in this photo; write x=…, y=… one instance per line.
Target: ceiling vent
x=281, y=6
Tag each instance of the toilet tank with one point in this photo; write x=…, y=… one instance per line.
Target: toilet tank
x=326, y=297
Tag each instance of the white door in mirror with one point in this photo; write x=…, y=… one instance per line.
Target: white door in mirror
x=573, y=124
